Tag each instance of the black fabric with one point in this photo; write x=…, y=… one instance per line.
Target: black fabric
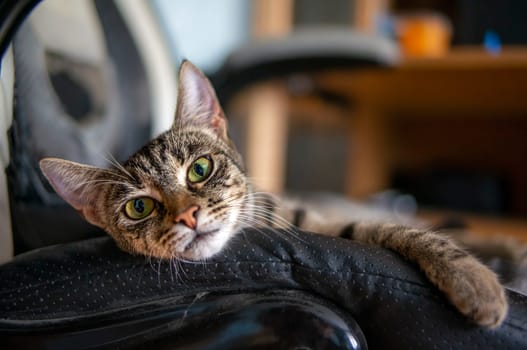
x=393, y=303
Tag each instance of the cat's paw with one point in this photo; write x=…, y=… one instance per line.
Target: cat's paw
x=476, y=292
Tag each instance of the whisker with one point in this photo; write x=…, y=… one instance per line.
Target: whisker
x=118, y=165
x=250, y=222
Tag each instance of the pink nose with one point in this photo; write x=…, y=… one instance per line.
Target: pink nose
x=188, y=217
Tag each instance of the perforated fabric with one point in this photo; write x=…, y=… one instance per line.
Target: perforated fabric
x=394, y=304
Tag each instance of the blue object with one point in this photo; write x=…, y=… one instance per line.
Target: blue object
x=492, y=42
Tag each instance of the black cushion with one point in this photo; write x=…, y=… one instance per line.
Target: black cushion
x=391, y=300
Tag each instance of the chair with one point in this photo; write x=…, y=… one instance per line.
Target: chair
x=266, y=290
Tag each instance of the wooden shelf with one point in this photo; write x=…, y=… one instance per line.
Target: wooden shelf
x=466, y=81
x=471, y=57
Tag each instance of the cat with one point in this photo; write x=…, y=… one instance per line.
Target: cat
x=186, y=193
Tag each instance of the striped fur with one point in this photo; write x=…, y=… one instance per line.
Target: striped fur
x=227, y=203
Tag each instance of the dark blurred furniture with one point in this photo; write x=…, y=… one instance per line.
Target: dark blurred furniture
x=269, y=73
x=473, y=100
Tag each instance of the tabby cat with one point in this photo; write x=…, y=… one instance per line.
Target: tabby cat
x=186, y=194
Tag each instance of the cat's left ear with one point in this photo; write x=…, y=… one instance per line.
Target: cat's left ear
x=79, y=185
x=197, y=102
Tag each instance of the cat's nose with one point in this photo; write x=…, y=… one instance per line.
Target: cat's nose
x=188, y=217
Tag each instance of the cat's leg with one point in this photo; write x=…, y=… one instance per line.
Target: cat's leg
x=506, y=256
x=469, y=285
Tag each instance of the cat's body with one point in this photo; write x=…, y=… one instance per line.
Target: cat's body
x=186, y=194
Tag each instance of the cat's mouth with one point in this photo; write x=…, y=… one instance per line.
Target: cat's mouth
x=200, y=235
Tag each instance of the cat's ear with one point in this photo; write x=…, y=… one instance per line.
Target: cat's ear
x=76, y=184
x=197, y=102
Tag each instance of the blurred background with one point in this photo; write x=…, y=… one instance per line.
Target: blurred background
x=416, y=106
x=437, y=125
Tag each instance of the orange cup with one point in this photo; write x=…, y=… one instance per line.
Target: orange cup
x=424, y=35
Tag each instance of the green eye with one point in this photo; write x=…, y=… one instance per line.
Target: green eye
x=200, y=169
x=139, y=208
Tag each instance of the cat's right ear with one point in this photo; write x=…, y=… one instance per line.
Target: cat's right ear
x=197, y=102
x=76, y=184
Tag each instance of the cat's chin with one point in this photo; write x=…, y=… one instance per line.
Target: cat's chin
x=204, y=245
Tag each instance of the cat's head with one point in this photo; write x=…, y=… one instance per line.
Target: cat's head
x=183, y=195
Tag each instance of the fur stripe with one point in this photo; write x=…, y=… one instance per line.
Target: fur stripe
x=299, y=216
x=347, y=231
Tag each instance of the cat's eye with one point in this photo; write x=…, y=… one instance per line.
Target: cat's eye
x=139, y=208
x=200, y=170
